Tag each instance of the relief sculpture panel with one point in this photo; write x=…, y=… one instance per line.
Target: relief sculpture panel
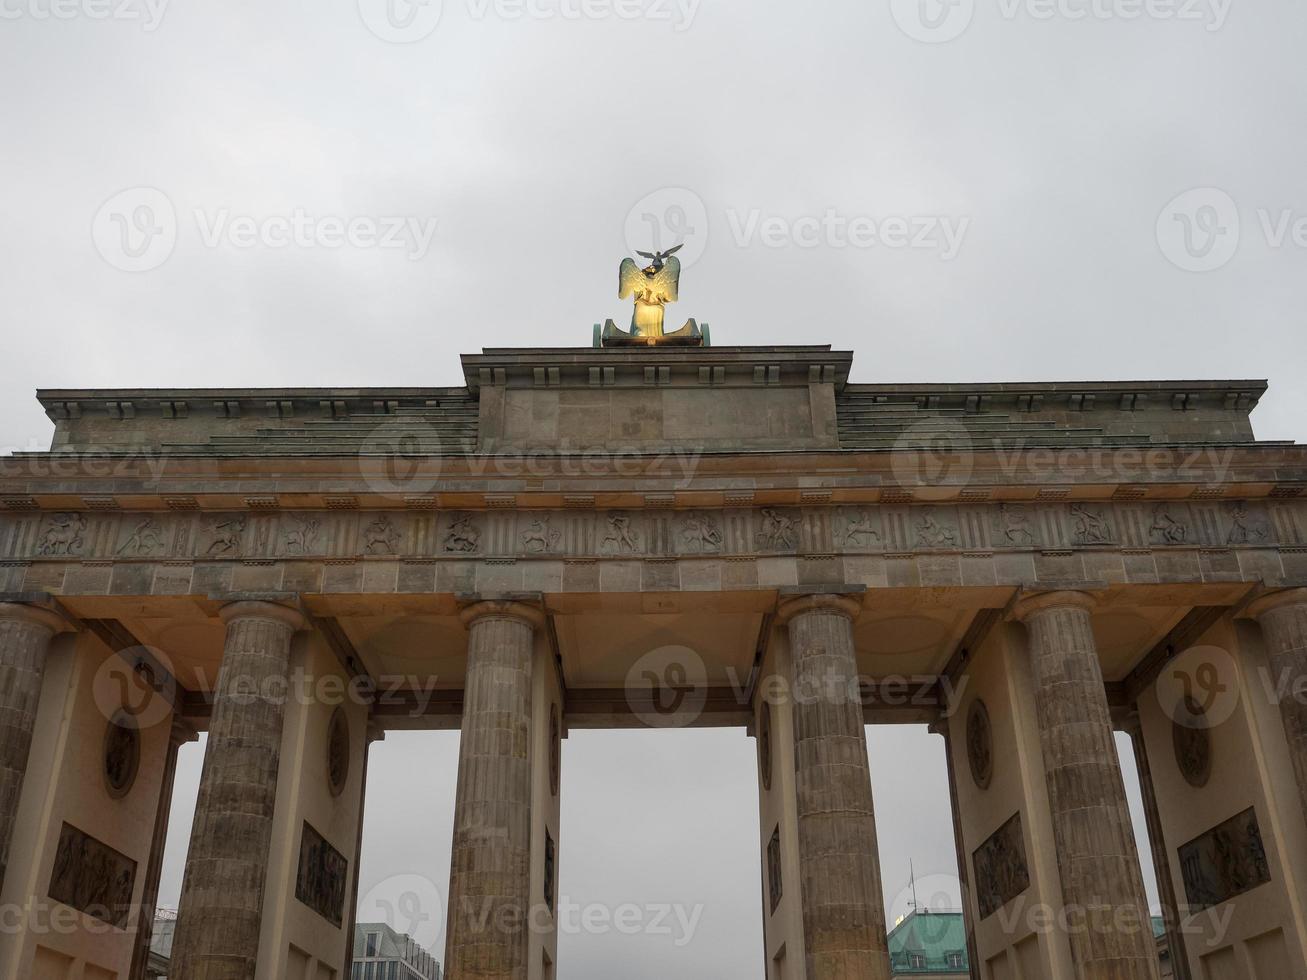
x=92, y=877
x=1228, y=860
x=320, y=882
x=1002, y=872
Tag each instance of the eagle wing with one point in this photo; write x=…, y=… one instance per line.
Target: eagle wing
x=630, y=279
x=667, y=283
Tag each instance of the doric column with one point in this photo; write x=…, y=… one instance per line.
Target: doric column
x=843, y=906
x=25, y=634
x=940, y=727
x=222, y=893
x=375, y=733
x=490, y=874
x=180, y=734
x=1283, y=618
x=1132, y=726
x=1110, y=931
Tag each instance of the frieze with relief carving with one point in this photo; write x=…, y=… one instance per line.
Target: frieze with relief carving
x=1218, y=527
x=778, y=530
x=1090, y=525
x=620, y=537
x=380, y=537
x=64, y=535
x=463, y=536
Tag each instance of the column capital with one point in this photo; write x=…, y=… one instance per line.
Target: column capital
x=1126, y=718
x=182, y=732
x=842, y=604
x=35, y=615
x=1037, y=602
x=1276, y=600
x=520, y=612
x=241, y=609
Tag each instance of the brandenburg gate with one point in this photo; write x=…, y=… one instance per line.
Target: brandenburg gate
x=645, y=534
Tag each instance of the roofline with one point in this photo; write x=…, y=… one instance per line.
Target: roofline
x=1210, y=384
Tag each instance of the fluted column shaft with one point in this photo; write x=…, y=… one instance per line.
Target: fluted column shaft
x=490, y=876
x=842, y=903
x=941, y=727
x=1161, y=853
x=1283, y=618
x=180, y=734
x=25, y=634
x=1106, y=908
x=221, y=909
x=374, y=733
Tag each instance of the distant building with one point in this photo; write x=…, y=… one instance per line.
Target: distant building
x=381, y=953
x=1163, y=948
x=934, y=944
x=929, y=944
x=156, y=964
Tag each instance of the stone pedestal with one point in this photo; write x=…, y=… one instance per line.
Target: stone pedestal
x=843, y=908
x=1106, y=910
x=218, y=922
x=25, y=634
x=489, y=882
x=1283, y=618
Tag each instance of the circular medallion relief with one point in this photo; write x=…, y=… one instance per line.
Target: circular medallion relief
x=980, y=744
x=555, y=750
x=764, y=745
x=1192, y=737
x=337, y=752
x=122, y=754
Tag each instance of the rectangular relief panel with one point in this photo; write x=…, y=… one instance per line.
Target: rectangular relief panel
x=92, y=877
x=775, y=885
x=1228, y=860
x=323, y=871
x=1002, y=872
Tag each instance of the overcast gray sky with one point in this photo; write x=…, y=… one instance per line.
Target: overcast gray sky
x=1084, y=195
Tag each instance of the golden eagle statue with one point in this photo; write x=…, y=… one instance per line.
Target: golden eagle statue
x=653, y=287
